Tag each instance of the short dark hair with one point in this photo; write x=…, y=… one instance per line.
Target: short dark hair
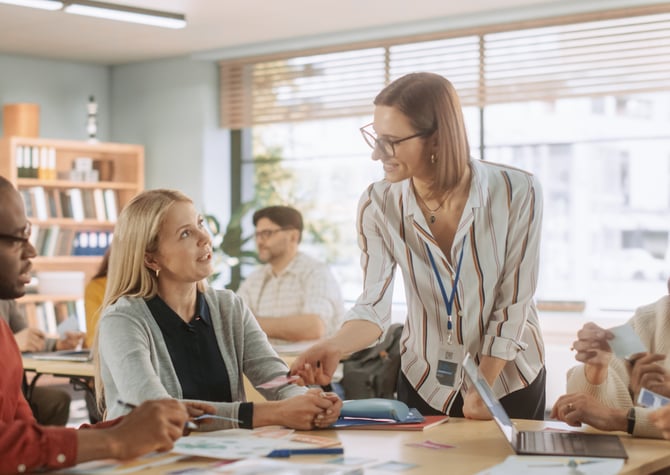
x=283, y=216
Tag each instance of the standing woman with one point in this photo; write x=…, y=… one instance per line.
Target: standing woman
x=164, y=334
x=466, y=235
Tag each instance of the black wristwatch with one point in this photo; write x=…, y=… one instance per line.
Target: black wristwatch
x=631, y=420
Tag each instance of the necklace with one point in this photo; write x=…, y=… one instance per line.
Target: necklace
x=432, y=212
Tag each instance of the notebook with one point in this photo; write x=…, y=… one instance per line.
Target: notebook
x=65, y=355
x=542, y=442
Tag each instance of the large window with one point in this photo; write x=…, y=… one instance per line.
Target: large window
x=582, y=105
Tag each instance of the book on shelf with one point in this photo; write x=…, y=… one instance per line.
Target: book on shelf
x=91, y=243
x=49, y=247
x=89, y=204
x=111, y=205
x=55, y=210
x=40, y=203
x=28, y=202
x=99, y=201
x=65, y=204
x=76, y=203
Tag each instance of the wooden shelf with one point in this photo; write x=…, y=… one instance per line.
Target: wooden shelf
x=29, y=182
x=121, y=167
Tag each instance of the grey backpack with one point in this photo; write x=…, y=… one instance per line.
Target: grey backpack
x=373, y=372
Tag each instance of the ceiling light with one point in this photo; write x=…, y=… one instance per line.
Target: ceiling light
x=124, y=13
x=43, y=4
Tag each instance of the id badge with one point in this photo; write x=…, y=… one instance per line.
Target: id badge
x=449, y=372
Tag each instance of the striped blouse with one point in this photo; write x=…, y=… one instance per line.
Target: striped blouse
x=494, y=313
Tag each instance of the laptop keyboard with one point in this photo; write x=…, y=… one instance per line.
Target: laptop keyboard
x=552, y=442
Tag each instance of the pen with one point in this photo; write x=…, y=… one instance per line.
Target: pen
x=319, y=451
x=213, y=416
x=189, y=424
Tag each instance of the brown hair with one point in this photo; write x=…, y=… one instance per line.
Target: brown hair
x=432, y=106
x=283, y=216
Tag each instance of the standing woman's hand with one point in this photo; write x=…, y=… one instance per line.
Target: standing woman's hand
x=474, y=407
x=317, y=364
x=593, y=349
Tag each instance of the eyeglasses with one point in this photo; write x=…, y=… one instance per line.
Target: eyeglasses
x=268, y=233
x=18, y=241
x=385, y=146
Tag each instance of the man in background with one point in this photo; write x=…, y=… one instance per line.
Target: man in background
x=51, y=406
x=293, y=296
x=26, y=445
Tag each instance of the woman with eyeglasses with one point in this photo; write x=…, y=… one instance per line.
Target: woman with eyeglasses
x=466, y=236
x=164, y=334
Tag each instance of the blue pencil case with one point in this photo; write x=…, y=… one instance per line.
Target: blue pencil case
x=375, y=408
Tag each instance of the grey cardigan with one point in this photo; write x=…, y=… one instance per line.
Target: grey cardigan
x=135, y=364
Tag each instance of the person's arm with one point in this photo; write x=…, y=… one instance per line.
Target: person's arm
x=366, y=321
x=27, y=446
x=294, y=327
x=125, y=361
x=152, y=426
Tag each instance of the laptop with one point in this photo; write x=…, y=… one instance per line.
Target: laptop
x=65, y=355
x=542, y=442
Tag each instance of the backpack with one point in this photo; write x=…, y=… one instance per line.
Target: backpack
x=373, y=372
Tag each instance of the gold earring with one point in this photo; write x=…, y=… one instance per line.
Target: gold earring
x=433, y=160
x=158, y=271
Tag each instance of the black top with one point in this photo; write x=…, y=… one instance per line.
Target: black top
x=195, y=355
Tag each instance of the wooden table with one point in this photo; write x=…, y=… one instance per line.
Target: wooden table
x=80, y=374
x=479, y=445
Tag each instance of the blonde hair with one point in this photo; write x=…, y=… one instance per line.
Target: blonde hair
x=431, y=104
x=136, y=233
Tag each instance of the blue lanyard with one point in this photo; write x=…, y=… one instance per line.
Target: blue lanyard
x=449, y=302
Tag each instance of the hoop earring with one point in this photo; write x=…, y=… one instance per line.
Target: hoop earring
x=158, y=271
x=433, y=160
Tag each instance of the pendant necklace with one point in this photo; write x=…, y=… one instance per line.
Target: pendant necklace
x=432, y=212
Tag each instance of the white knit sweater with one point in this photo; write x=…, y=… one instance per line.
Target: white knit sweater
x=652, y=323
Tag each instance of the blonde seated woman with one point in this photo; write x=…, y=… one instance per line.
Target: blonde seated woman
x=163, y=333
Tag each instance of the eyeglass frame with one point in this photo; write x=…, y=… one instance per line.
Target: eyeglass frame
x=268, y=233
x=366, y=133
x=14, y=239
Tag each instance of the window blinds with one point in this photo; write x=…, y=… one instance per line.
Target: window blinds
x=627, y=52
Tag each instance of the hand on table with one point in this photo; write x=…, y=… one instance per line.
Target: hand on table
x=152, y=426
x=474, y=407
x=579, y=408
x=661, y=419
x=70, y=341
x=30, y=339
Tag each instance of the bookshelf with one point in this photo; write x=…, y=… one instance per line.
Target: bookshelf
x=73, y=192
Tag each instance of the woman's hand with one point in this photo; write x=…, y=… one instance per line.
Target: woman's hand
x=646, y=372
x=197, y=409
x=575, y=409
x=317, y=364
x=314, y=409
x=474, y=407
x=593, y=349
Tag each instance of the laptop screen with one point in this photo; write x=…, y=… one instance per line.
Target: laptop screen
x=486, y=393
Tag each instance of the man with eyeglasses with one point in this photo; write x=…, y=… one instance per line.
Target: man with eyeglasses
x=26, y=445
x=51, y=406
x=293, y=296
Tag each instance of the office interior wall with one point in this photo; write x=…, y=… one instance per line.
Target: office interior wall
x=61, y=89
x=171, y=107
